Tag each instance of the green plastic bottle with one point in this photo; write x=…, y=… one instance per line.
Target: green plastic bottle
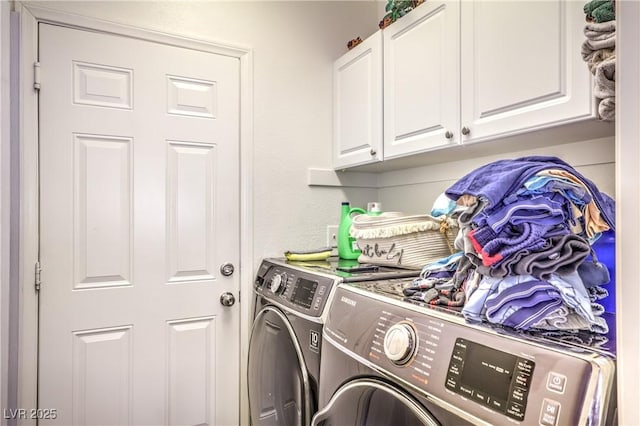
x=347, y=248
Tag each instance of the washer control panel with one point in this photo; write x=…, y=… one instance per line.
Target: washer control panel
x=493, y=377
x=294, y=289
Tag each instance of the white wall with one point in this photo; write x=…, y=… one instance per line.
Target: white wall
x=294, y=45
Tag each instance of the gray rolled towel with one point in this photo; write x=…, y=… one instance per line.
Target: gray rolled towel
x=605, y=79
x=599, y=36
x=589, y=47
x=597, y=57
x=598, y=31
x=607, y=109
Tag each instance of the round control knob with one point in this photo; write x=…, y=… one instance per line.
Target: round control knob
x=400, y=343
x=278, y=283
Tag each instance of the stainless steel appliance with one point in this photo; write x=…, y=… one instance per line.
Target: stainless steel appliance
x=286, y=338
x=389, y=361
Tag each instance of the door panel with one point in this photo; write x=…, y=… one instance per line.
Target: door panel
x=139, y=184
x=278, y=382
x=373, y=402
x=421, y=88
x=529, y=74
x=357, y=99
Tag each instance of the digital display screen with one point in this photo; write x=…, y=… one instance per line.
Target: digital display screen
x=303, y=292
x=498, y=380
x=488, y=370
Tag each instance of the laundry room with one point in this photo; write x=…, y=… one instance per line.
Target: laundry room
x=176, y=177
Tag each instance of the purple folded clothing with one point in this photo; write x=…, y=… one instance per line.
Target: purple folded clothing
x=523, y=305
x=492, y=182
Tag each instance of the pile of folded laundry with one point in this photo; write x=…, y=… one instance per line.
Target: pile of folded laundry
x=526, y=232
x=598, y=51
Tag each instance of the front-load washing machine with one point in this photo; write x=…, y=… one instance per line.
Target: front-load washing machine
x=387, y=361
x=285, y=346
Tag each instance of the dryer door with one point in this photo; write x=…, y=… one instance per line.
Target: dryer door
x=278, y=381
x=372, y=402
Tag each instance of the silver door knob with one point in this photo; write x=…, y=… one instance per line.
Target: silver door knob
x=227, y=299
x=227, y=269
x=465, y=131
x=448, y=134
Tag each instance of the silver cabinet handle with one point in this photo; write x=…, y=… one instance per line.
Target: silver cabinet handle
x=448, y=134
x=227, y=299
x=465, y=131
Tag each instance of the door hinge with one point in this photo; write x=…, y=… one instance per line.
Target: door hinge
x=38, y=272
x=36, y=75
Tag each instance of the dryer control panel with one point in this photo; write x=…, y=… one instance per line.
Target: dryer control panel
x=292, y=288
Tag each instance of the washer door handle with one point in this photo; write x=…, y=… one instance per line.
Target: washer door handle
x=227, y=299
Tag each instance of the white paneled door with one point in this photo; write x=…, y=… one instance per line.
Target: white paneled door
x=139, y=190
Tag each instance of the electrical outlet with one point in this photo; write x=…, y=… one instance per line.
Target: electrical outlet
x=332, y=236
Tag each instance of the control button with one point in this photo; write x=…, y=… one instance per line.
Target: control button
x=321, y=290
x=451, y=383
x=550, y=412
x=497, y=404
x=454, y=369
x=481, y=397
x=278, y=283
x=515, y=411
x=523, y=380
x=461, y=345
x=556, y=382
x=458, y=355
x=400, y=343
x=519, y=395
x=465, y=390
x=524, y=366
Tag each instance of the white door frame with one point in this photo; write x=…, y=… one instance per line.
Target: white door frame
x=30, y=17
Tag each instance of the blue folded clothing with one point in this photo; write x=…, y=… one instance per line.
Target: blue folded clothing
x=495, y=181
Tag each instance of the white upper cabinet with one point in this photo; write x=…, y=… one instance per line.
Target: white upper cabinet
x=422, y=79
x=357, y=104
x=457, y=72
x=521, y=67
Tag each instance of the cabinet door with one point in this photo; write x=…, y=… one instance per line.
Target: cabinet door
x=521, y=66
x=357, y=100
x=421, y=79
